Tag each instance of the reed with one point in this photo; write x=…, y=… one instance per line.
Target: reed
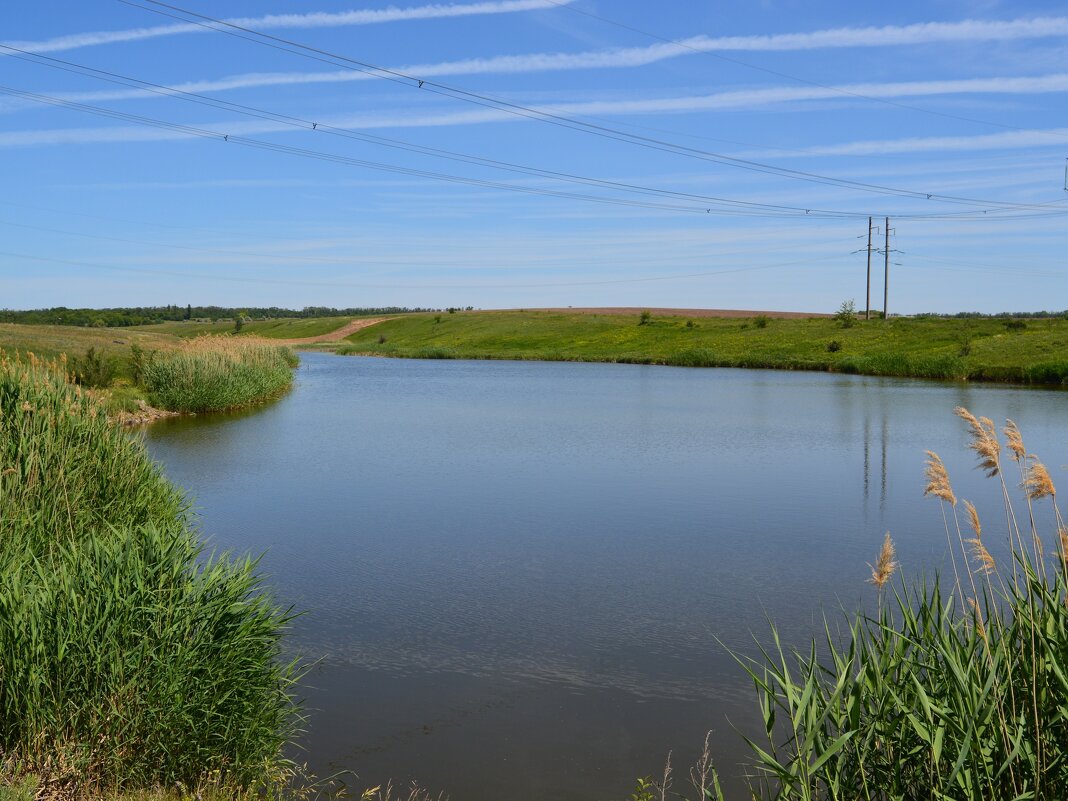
x=955, y=690
x=129, y=657
x=212, y=373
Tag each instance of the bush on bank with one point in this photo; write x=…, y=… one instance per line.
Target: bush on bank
x=129, y=658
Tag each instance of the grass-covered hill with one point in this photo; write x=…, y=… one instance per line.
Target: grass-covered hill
x=996, y=349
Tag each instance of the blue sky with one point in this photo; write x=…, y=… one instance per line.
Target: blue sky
x=840, y=109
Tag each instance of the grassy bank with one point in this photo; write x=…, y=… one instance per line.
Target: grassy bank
x=128, y=657
x=1035, y=351
x=294, y=328
x=129, y=367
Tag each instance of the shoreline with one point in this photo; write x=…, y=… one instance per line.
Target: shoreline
x=786, y=368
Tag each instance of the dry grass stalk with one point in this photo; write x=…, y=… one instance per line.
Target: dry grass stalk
x=885, y=565
x=1037, y=483
x=984, y=441
x=938, y=479
x=1014, y=440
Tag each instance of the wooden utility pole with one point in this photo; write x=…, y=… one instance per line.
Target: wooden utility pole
x=867, y=306
x=886, y=272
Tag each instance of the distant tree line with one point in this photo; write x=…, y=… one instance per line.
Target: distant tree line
x=146, y=315
x=1038, y=315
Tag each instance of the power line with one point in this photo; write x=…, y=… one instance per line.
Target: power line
x=779, y=212
x=411, y=81
x=188, y=130
x=304, y=124
x=786, y=75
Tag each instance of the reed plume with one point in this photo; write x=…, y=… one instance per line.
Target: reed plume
x=979, y=551
x=973, y=518
x=938, y=479
x=885, y=565
x=982, y=556
x=984, y=441
x=1037, y=483
x=1014, y=440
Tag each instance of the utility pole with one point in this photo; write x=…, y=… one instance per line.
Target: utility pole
x=867, y=306
x=886, y=273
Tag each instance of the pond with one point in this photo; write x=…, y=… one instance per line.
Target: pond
x=520, y=579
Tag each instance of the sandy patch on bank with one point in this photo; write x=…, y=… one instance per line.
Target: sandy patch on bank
x=144, y=415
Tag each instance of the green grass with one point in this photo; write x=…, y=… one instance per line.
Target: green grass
x=289, y=328
x=51, y=341
x=129, y=657
x=918, y=347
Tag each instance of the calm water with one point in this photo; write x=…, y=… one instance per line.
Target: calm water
x=515, y=574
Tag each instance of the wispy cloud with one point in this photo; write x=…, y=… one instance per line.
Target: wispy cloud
x=319, y=19
x=736, y=99
x=620, y=58
x=917, y=33
x=1008, y=140
x=885, y=36
x=719, y=101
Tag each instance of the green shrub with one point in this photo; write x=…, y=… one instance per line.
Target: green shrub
x=846, y=316
x=128, y=657
x=693, y=357
x=761, y=321
x=94, y=369
x=645, y=317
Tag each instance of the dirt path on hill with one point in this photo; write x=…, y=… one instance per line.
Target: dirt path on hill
x=350, y=327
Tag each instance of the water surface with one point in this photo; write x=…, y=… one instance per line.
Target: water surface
x=517, y=575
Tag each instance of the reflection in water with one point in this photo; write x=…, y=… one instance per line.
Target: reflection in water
x=517, y=576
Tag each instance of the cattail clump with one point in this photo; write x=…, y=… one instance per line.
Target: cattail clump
x=885, y=565
x=938, y=479
x=984, y=440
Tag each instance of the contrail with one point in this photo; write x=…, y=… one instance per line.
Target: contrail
x=319, y=19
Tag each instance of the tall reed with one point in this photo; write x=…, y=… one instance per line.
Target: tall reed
x=129, y=658
x=212, y=373
x=949, y=690
x=956, y=691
